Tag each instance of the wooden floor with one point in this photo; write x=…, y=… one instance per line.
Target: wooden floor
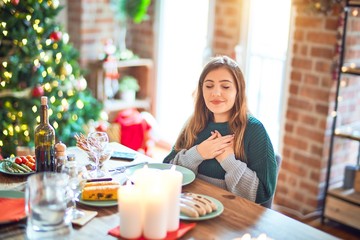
x=331, y=227
x=336, y=229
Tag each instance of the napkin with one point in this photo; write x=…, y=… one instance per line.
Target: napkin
x=86, y=218
x=183, y=228
x=12, y=209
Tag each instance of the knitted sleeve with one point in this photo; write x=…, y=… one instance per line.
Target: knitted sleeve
x=261, y=159
x=190, y=159
x=239, y=179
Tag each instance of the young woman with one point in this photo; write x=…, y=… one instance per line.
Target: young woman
x=222, y=142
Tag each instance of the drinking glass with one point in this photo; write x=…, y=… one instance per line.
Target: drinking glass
x=46, y=206
x=71, y=169
x=97, y=142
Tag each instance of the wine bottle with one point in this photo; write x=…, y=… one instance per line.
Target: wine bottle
x=44, y=141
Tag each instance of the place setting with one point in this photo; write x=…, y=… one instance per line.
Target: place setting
x=148, y=196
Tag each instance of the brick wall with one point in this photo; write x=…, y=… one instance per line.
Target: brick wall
x=310, y=104
x=141, y=36
x=90, y=24
x=311, y=86
x=227, y=26
x=304, y=157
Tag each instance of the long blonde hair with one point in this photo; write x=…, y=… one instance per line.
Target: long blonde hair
x=202, y=115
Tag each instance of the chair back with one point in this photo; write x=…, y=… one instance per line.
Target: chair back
x=269, y=202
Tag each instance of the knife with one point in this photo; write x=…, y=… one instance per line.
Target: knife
x=123, y=168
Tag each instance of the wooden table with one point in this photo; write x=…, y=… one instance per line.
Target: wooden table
x=240, y=216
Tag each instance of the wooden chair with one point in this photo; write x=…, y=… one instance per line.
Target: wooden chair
x=269, y=202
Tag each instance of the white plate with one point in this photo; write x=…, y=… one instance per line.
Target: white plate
x=220, y=209
x=188, y=175
x=99, y=203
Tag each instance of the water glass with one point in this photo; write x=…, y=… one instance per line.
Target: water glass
x=71, y=169
x=97, y=144
x=46, y=204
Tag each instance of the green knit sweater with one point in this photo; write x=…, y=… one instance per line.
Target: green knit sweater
x=254, y=179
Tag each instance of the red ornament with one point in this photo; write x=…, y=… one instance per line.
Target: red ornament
x=15, y=2
x=55, y=36
x=101, y=127
x=38, y=91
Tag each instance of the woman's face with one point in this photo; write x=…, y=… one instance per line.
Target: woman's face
x=219, y=90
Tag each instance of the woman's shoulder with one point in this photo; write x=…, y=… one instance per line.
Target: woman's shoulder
x=254, y=122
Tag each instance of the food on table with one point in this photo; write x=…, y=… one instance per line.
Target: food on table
x=100, y=191
x=195, y=205
x=188, y=211
x=21, y=164
x=200, y=197
x=100, y=183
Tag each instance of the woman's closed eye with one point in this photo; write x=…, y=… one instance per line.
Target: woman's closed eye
x=223, y=86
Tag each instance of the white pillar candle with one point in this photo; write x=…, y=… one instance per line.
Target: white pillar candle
x=130, y=199
x=143, y=177
x=173, y=181
x=155, y=217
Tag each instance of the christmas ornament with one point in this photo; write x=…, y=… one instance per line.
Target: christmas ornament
x=15, y=2
x=55, y=36
x=80, y=84
x=38, y=91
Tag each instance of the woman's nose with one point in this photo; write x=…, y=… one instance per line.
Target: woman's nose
x=216, y=91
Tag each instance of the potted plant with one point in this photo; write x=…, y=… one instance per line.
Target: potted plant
x=128, y=86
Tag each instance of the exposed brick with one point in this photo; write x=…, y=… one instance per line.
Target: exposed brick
x=314, y=93
x=311, y=79
x=315, y=176
x=322, y=66
x=322, y=109
x=298, y=143
x=321, y=37
x=292, y=115
x=318, y=151
x=308, y=22
x=299, y=104
x=307, y=160
x=299, y=35
x=321, y=52
x=311, y=188
x=332, y=24
x=301, y=63
x=296, y=75
x=289, y=128
x=294, y=89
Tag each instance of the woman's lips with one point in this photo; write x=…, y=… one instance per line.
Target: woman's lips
x=216, y=102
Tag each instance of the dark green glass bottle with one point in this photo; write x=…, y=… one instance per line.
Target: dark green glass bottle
x=44, y=141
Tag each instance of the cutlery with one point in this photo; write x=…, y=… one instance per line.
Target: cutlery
x=123, y=168
x=98, y=179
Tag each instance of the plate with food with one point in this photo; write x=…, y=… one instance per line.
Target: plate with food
x=18, y=166
x=99, y=194
x=188, y=175
x=198, y=207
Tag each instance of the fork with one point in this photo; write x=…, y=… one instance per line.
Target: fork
x=123, y=168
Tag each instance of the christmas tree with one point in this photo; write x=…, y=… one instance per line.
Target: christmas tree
x=37, y=60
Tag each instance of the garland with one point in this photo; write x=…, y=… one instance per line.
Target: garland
x=26, y=93
x=325, y=6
